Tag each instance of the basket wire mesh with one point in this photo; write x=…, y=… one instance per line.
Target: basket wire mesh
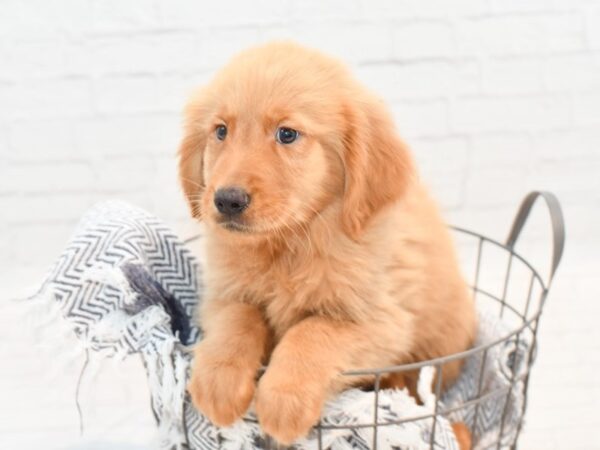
x=523, y=316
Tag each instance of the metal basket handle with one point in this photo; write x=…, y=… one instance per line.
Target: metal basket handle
x=558, y=225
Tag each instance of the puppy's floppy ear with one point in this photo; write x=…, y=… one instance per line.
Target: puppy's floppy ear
x=377, y=164
x=191, y=153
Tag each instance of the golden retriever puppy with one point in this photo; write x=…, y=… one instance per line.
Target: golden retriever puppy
x=324, y=251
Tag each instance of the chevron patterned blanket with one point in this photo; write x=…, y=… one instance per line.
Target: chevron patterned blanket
x=126, y=284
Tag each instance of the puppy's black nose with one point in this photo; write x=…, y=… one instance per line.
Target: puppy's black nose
x=231, y=201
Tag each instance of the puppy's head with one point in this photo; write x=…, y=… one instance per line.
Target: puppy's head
x=282, y=133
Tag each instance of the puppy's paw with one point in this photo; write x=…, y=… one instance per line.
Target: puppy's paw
x=287, y=411
x=222, y=391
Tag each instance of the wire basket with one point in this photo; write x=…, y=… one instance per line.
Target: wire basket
x=125, y=263
x=506, y=283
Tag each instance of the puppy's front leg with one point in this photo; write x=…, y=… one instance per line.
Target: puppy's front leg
x=301, y=371
x=226, y=361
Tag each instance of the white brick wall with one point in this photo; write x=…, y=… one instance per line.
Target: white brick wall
x=496, y=97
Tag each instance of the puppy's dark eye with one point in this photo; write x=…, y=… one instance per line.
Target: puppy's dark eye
x=286, y=135
x=221, y=132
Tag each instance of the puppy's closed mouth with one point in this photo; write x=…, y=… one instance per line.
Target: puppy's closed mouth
x=232, y=225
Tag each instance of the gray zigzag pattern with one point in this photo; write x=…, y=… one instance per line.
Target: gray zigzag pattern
x=112, y=234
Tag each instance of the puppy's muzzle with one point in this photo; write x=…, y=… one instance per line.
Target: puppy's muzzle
x=231, y=201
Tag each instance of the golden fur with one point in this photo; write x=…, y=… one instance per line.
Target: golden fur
x=340, y=262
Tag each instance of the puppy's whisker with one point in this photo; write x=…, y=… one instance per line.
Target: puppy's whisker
x=280, y=237
x=194, y=182
x=308, y=249
x=283, y=238
x=302, y=226
x=284, y=224
x=319, y=216
x=196, y=207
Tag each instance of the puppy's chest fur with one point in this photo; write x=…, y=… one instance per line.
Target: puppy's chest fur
x=295, y=285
